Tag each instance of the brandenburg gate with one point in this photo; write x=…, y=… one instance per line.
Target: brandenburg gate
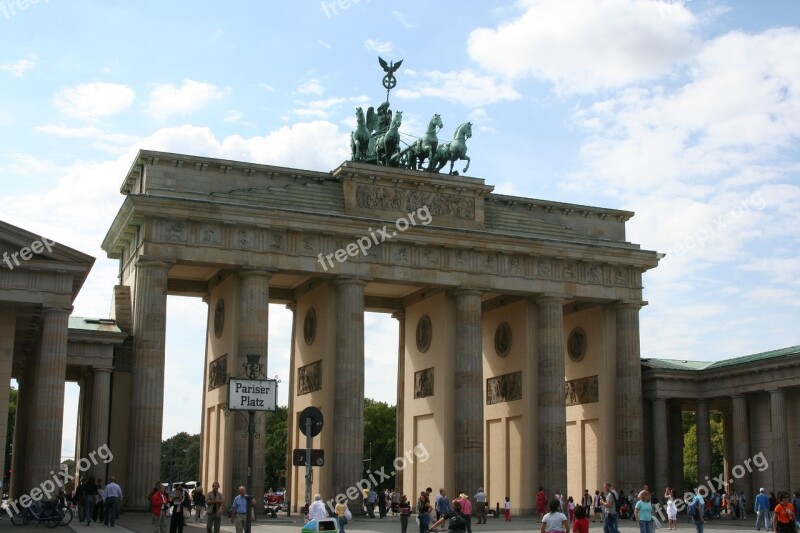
x=518, y=320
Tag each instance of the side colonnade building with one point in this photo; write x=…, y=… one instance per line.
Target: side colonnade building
x=518, y=355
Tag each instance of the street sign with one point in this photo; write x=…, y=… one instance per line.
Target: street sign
x=316, y=421
x=252, y=394
x=299, y=457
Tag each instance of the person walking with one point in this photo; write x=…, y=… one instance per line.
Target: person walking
x=423, y=511
x=159, y=505
x=341, y=515
x=90, y=495
x=696, y=510
x=672, y=510
x=199, y=502
x=761, y=507
x=176, y=520
x=610, y=516
x=404, y=508
x=214, y=503
x=372, y=499
x=541, y=503
x=466, y=509
x=783, y=520
x=239, y=510
x=507, y=509
x=581, y=524
x=480, y=503
x=555, y=521
x=381, y=503
x=643, y=512
x=316, y=511
x=113, y=497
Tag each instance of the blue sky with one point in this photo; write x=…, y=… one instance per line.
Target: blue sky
x=687, y=113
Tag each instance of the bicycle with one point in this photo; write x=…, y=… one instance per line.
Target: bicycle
x=46, y=513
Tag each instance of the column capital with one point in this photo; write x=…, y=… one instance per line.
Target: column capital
x=101, y=369
x=777, y=391
x=350, y=280
x=467, y=291
x=629, y=304
x=253, y=271
x=292, y=306
x=400, y=314
x=56, y=309
x=551, y=298
x=146, y=261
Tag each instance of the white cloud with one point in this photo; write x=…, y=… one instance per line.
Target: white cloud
x=26, y=164
x=381, y=47
x=465, y=87
x=403, y=19
x=584, y=45
x=324, y=44
x=233, y=116
x=312, y=86
x=318, y=108
x=191, y=95
x=91, y=101
x=18, y=69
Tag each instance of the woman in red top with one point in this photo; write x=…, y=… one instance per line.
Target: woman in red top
x=783, y=519
x=581, y=524
x=541, y=502
x=158, y=508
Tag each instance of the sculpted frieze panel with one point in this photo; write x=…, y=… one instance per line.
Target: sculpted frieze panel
x=218, y=372
x=439, y=204
x=175, y=230
x=580, y=391
x=505, y=388
x=209, y=235
x=309, y=378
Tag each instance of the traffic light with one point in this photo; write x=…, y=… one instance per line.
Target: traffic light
x=299, y=457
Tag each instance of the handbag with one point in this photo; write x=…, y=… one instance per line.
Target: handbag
x=348, y=515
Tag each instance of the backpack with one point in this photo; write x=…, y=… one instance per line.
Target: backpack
x=457, y=521
x=693, y=508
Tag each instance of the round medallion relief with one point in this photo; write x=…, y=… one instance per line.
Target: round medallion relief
x=576, y=344
x=424, y=333
x=502, y=339
x=310, y=326
x=219, y=318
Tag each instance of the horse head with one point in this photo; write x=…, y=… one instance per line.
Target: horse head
x=359, y=116
x=436, y=121
x=397, y=120
x=465, y=129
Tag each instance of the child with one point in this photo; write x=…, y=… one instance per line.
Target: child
x=571, y=509
x=581, y=524
x=507, y=506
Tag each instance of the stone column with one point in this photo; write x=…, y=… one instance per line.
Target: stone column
x=468, y=391
x=401, y=384
x=743, y=480
x=703, y=441
x=727, y=446
x=292, y=306
x=660, y=443
x=780, y=441
x=48, y=398
x=552, y=409
x=348, y=389
x=98, y=425
x=18, y=454
x=147, y=379
x=630, y=438
x=253, y=315
x=8, y=322
x=676, y=446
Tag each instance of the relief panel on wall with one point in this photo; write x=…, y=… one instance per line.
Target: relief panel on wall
x=505, y=388
x=580, y=391
x=309, y=378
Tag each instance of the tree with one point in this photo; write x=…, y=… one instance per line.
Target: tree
x=379, y=440
x=275, y=448
x=690, y=448
x=182, y=453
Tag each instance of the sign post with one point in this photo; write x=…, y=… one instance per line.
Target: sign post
x=251, y=395
x=310, y=425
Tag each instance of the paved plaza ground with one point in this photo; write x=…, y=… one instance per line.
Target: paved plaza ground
x=140, y=523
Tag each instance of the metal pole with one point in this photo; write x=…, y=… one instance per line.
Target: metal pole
x=251, y=431
x=308, y=463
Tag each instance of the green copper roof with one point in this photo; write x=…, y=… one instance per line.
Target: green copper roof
x=107, y=325
x=677, y=364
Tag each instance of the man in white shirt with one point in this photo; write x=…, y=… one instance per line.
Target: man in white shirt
x=113, y=495
x=316, y=510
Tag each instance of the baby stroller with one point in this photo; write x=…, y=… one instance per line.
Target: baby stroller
x=624, y=511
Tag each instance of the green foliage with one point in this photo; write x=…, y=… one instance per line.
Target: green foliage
x=380, y=432
x=275, y=449
x=182, y=453
x=690, y=448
